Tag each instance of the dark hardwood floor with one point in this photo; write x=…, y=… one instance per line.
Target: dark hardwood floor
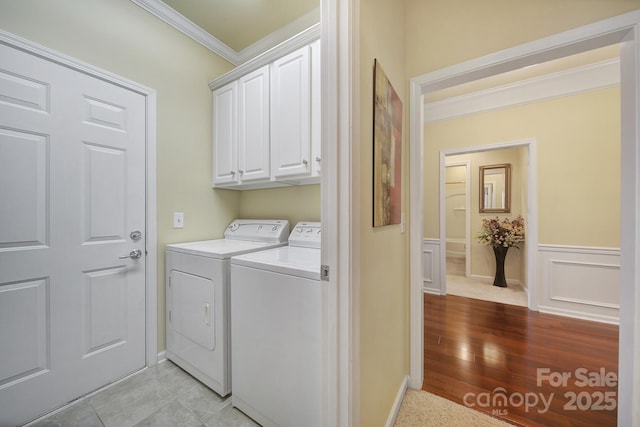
x=525, y=367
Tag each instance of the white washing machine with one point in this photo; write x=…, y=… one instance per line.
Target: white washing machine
x=276, y=332
x=197, y=297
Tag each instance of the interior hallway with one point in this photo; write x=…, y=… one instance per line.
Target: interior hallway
x=476, y=352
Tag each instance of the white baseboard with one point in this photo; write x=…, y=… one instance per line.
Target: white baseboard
x=397, y=402
x=431, y=290
x=579, y=315
x=162, y=356
x=489, y=279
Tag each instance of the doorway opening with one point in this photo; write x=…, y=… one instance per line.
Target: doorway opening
x=476, y=279
x=457, y=195
x=605, y=33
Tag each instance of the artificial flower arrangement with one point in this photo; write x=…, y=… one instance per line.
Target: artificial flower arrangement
x=506, y=233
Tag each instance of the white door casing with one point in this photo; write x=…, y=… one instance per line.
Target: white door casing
x=73, y=188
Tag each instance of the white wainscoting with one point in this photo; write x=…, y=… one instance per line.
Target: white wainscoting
x=581, y=282
x=574, y=281
x=431, y=266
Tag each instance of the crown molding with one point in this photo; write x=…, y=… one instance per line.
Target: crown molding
x=301, y=39
x=297, y=26
x=587, y=78
x=170, y=16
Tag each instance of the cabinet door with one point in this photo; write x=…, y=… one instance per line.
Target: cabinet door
x=253, y=125
x=225, y=137
x=291, y=115
x=316, y=107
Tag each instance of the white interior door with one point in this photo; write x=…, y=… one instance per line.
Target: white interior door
x=72, y=190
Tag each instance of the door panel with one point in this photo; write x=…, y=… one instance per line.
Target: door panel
x=225, y=134
x=291, y=114
x=72, y=185
x=253, y=125
x=104, y=193
x=103, y=315
x=23, y=160
x=24, y=304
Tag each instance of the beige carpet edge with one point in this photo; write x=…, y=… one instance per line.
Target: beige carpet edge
x=421, y=408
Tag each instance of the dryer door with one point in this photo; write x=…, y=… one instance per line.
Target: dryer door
x=193, y=308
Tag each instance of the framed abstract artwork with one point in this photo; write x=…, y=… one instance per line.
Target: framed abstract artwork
x=387, y=151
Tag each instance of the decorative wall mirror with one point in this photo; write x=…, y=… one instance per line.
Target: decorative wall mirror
x=495, y=188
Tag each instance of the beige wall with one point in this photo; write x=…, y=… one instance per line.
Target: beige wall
x=441, y=33
x=578, y=140
x=295, y=204
x=384, y=283
x=120, y=37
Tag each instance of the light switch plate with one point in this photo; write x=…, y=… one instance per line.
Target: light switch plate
x=178, y=220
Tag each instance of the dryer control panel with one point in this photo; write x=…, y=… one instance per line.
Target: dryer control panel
x=306, y=234
x=257, y=230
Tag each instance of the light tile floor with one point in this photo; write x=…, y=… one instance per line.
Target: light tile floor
x=471, y=288
x=163, y=395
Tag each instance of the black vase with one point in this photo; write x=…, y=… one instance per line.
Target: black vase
x=500, y=253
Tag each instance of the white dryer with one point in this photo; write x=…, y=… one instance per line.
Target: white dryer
x=276, y=332
x=197, y=297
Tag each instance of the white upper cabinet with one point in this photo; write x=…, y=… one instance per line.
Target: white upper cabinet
x=225, y=132
x=253, y=126
x=291, y=114
x=241, y=130
x=266, y=121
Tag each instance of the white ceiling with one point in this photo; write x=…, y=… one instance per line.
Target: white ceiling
x=237, y=30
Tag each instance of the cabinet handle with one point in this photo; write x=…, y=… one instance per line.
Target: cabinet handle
x=304, y=162
x=240, y=171
x=318, y=159
x=232, y=173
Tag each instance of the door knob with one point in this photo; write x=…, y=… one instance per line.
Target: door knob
x=134, y=254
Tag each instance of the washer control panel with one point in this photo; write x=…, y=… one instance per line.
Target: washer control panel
x=271, y=231
x=306, y=234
